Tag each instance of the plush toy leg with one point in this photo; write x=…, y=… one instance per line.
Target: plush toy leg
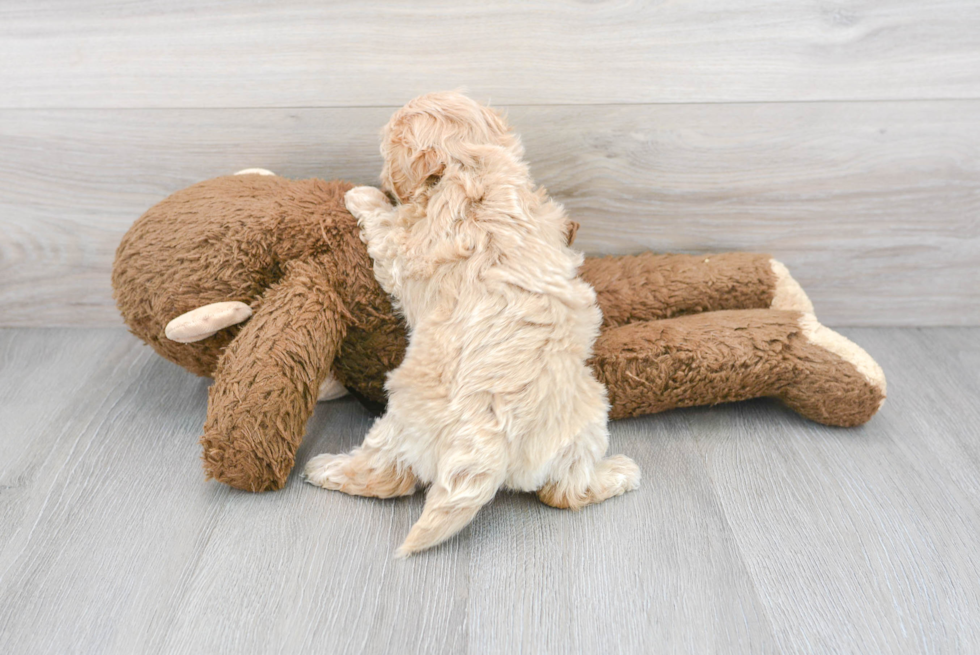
x=727, y=356
x=266, y=383
x=203, y=322
x=647, y=287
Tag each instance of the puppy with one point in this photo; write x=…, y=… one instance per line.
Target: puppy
x=494, y=390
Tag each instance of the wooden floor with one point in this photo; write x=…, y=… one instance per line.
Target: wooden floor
x=753, y=532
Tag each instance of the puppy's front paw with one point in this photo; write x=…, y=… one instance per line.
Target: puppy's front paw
x=362, y=200
x=327, y=471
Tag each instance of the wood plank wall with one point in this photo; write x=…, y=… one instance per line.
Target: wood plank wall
x=843, y=137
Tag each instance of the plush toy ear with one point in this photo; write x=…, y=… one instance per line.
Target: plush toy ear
x=428, y=166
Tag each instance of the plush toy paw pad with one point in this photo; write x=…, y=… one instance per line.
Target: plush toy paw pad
x=838, y=344
x=788, y=294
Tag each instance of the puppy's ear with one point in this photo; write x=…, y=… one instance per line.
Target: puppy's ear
x=428, y=166
x=571, y=229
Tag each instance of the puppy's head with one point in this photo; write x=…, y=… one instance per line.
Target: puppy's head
x=435, y=131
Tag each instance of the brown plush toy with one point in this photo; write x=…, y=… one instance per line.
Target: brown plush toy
x=263, y=284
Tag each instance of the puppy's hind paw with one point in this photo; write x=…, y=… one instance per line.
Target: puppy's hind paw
x=620, y=473
x=611, y=477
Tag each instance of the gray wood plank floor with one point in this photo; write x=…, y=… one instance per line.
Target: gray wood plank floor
x=753, y=532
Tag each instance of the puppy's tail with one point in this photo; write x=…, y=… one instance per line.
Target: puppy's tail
x=463, y=485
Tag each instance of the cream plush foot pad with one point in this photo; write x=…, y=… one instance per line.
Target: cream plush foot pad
x=846, y=349
x=789, y=295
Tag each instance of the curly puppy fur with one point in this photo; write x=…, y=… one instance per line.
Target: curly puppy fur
x=495, y=390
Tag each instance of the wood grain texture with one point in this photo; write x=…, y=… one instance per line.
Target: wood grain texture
x=753, y=531
x=873, y=206
x=814, y=510
x=299, y=53
x=666, y=576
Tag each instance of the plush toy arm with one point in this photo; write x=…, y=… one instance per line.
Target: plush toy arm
x=266, y=383
x=718, y=357
x=203, y=322
x=647, y=287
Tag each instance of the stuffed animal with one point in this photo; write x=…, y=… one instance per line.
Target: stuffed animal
x=263, y=284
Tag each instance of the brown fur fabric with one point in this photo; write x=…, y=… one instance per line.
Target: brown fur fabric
x=728, y=356
x=291, y=251
x=649, y=287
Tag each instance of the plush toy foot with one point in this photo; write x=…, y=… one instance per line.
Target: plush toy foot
x=717, y=357
x=838, y=383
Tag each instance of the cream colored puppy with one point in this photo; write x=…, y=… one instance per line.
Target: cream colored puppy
x=494, y=390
